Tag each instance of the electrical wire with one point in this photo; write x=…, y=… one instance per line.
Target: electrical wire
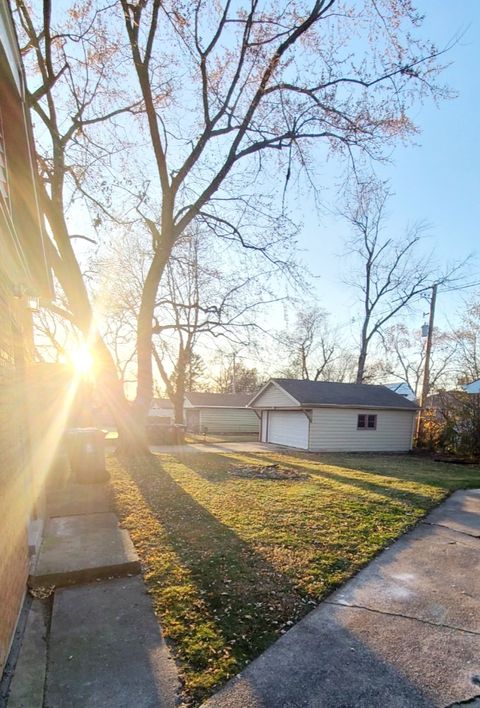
x=460, y=287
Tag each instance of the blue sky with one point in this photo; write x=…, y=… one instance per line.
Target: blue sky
x=436, y=180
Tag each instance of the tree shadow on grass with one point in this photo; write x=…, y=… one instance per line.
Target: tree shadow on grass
x=211, y=472
x=218, y=599
x=406, y=467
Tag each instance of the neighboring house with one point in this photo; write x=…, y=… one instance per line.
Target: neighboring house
x=24, y=277
x=403, y=389
x=220, y=413
x=162, y=411
x=473, y=387
x=319, y=415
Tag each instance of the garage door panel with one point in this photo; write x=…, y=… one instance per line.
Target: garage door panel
x=288, y=428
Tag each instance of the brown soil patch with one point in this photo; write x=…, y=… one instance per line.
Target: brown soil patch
x=274, y=471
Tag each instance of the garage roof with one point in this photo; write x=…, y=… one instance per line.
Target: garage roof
x=328, y=393
x=218, y=400
x=164, y=403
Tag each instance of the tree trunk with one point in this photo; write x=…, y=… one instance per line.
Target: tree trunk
x=144, y=334
x=178, y=407
x=180, y=377
x=362, y=360
x=131, y=438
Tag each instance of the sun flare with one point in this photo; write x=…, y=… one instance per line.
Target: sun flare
x=82, y=360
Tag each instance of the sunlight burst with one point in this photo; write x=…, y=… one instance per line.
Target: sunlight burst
x=82, y=360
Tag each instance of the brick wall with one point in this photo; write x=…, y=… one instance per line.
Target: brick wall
x=14, y=474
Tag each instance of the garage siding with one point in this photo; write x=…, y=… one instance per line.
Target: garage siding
x=335, y=430
x=164, y=415
x=273, y=397
x=229, y=420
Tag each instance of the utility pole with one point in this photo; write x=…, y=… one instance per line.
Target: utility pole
x=428, y=348
x=234, y=382
x=426, y=369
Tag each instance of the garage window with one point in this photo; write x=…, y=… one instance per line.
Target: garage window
x=366, y=422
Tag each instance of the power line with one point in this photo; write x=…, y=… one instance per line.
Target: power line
x=460, y=287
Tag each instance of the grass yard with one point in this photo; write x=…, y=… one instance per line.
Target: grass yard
x=232, y=563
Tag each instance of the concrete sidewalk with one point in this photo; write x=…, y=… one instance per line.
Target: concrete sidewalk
x=92, y=639
x=404, y=633
x=241, y=446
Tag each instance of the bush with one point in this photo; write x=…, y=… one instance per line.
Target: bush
x=454, y=425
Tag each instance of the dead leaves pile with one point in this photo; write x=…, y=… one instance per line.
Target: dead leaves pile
x=273, y=471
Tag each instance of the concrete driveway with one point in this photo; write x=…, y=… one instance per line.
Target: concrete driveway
x=247, y=446
x=403, y=633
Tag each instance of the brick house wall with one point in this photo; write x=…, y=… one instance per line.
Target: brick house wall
x=24, y=273
x=14, y=471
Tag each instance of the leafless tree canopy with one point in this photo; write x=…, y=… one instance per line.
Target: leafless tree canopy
x=403, y=358
x=168, y=115
x=467, y=338
x=314, y=349
x=234, y=375
x=390, y=273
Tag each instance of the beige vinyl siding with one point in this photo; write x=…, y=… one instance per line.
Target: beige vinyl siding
x=335, y=430
x=161, y=413
x=274, y=397
x=229, y=420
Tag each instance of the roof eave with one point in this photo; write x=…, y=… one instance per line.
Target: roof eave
x=201, y=405
x=275, y=383
x=302, y=405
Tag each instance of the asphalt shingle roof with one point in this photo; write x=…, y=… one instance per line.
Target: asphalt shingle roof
x=222, y=400
x=318, y=393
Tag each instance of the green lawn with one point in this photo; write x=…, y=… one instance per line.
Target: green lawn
x=232, y=563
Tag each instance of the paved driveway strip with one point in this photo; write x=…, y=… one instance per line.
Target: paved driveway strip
x=246, y=446
x=405, y=632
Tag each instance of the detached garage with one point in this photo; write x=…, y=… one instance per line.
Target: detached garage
x=334, y=417
x=221, y=413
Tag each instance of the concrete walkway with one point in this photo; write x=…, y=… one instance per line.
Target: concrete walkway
x=404, y=633
x=94, y=642
x=242, y=446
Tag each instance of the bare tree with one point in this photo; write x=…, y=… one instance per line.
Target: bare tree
x=223, y=91
x=204, y=298
x=404, y=358
x=232, y=375
x=467, y=338
x=199, y=302
x=392, y=272
x=51, y=336
x=314, y=348
x=73, y=69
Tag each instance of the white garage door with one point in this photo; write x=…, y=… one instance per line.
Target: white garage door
x=288, y=428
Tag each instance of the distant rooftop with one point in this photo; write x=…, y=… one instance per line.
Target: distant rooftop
x=218, y=400
x=162, y=403
x=402, y=388
x=472, y=387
